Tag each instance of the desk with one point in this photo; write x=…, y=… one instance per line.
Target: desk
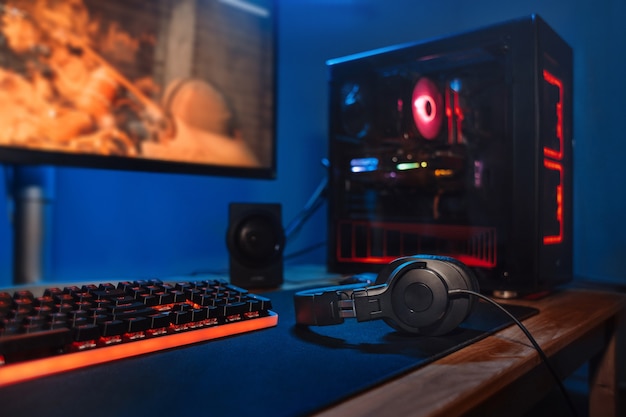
x=497, y=375
x=503, y=374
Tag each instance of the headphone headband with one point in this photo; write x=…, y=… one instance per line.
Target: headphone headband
x=331, y=305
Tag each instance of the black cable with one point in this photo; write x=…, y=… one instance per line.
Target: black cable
x=542, y=355
x=317, y=199
x=315, y=202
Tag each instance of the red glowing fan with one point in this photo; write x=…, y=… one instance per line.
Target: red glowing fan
x=427, y=108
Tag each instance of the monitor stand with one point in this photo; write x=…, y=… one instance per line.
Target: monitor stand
x=31, y=189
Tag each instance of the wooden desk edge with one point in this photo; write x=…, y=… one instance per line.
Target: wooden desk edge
x=463, y=380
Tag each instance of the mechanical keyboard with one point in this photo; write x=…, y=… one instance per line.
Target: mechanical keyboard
x=73, y=327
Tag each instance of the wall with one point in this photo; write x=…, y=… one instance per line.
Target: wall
x=108, y=224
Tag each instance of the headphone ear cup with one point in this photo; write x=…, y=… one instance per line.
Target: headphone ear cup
x=419, y=288
x=387, y=271
x=465, y=273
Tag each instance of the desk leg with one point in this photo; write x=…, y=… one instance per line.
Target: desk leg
x=603, y=386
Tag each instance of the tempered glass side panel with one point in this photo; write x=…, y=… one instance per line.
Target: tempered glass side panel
x=417, y=152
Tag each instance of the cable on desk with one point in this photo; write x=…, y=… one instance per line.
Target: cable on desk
x=542, y=355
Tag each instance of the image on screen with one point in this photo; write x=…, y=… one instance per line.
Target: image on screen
x=165, y=85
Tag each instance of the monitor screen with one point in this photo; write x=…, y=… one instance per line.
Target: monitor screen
x=167, y=85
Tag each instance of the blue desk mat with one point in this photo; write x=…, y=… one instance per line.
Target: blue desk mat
x=281, y=371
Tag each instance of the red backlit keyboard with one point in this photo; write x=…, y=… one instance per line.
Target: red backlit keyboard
x=73, y=327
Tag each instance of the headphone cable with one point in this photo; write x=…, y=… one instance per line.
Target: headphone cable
x=542, y=355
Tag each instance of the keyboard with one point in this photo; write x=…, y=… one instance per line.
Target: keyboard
x=62, y=329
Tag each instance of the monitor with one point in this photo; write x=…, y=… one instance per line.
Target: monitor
x=174, y=86
x=181, y=86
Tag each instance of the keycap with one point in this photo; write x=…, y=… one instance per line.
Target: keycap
x=99, y=317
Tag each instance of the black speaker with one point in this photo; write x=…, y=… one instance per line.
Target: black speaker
x=411, y=294
x=255, y=241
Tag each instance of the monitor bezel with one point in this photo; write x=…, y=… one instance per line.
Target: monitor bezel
x=32, y=157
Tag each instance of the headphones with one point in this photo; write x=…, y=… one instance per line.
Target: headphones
x=410, y=294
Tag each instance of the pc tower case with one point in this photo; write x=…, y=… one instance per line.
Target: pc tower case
x=459, y=146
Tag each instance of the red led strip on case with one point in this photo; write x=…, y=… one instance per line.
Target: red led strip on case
x=553, y=159
x=548, y=152
x=555, y=239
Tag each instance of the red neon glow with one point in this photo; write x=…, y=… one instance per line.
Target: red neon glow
x=449, y=117
x=557, y=155
x=556, y=239
x=475, y=246
x=454, y=113
x=549, y=152
x=426, y=108
x=427, y=105
x=458, y=113
x=23, y=371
